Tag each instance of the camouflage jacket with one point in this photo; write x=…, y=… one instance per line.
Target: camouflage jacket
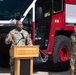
x=19, y=38
x=73, y=44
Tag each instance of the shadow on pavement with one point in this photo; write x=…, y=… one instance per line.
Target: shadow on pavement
x=4, y=70
x=49, y=66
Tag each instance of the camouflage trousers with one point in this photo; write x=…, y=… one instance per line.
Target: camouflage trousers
x=12, y=63
x=73, y=65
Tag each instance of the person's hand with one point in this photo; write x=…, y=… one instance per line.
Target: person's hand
x=10, y=40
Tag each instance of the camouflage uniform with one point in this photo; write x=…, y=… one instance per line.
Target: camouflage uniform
x=19, y=38
x=16, y=36
x=73, y=55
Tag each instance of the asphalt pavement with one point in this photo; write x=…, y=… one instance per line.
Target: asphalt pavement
x=6, y=71
x=39, y=69
x=52, y=73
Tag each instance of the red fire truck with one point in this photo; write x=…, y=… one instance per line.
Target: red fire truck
x=49, y=23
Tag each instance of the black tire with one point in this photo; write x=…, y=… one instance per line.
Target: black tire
x=54, y=58
x=59, y=42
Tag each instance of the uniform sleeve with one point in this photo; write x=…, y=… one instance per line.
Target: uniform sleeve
x=28, y=39
x=71, y=42
x=9, y=36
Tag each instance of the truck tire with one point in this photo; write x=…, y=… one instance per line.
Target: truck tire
x=61, y=52
x=61, y=49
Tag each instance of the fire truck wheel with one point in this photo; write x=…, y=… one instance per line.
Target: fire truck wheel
x=61, y=49
x=61, y=53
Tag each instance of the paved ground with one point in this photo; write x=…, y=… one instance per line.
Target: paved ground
x=6, y=71
x=52, y=73
x=39, y=69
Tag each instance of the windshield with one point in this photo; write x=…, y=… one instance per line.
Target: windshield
x=8, y=8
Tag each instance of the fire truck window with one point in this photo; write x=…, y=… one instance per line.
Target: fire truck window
x=11, y=7
x=27, y=22
x=57, y=6
x=47, y=8
x=70, y=14
x=39, y=12
x=43, y=20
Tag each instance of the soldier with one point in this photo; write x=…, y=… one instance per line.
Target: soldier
x=73, y=53
x=17, y=36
